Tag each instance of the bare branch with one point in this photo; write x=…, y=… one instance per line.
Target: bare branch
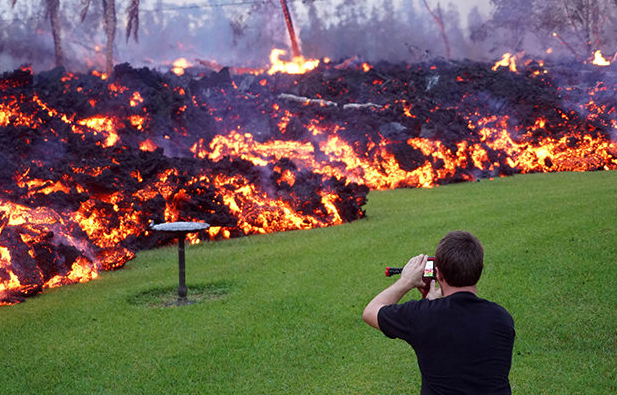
x=85, y=4
x=133, y=20
x=438, y=18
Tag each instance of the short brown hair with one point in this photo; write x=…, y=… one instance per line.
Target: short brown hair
x=459, y=257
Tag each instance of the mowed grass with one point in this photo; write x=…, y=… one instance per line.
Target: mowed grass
x=287, y=317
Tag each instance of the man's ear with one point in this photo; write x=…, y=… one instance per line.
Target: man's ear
x=438, y=275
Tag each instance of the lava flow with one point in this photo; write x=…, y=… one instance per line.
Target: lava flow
x=88, y=160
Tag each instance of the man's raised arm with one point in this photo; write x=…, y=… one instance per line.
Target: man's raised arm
x=411, y=277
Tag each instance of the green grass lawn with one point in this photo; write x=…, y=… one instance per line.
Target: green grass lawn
x=284, y=315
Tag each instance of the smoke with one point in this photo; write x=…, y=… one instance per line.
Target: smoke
x=242, y=33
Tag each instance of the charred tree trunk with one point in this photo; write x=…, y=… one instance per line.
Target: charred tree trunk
x=295, y=48
x=110, y=32
x=53, y=7
x=439, y=21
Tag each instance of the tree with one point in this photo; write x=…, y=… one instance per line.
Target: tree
x=52, y=12
x=580, y=25
x=585, y=23
x=516, y=17
x=109, y=19
x=132, y=23
x=439, y=19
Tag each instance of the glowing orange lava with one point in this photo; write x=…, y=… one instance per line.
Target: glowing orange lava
x=298, y=65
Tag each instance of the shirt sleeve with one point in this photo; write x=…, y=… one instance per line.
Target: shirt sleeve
x=399, y=320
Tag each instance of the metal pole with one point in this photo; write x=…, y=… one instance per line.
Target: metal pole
x=181, y=269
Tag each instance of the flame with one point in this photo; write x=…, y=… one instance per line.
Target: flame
x=147, y=145
x=115, y=87
x=599, y=60
x=298, y=64
x=179, y=65
x=102, y=76
x=286, y=177
x=33, y=226
x=508, y=60
x=137, y=121
x=42, y=186
x=382, y=170
x=103, y=125
x=546, y=155
x=259, y=213
x=136, y=99
x=81, y=272
x=13, y=282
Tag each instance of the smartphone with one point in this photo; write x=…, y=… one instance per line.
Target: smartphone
x=429, y=275
x=429, y=268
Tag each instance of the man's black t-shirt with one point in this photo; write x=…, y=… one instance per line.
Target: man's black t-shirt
x=463, y=343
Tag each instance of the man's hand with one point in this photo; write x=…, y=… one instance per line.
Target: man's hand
x=411, y=277
x=434, y=292
x=413, y=271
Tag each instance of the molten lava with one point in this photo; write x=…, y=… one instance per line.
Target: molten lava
x=298, y=65
x=88, y=160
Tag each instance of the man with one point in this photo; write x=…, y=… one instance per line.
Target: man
x=463, y=343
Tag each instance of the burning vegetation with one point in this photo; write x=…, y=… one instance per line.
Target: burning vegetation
x=88, y=160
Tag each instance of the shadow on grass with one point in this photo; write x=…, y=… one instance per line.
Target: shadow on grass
x=168, y=296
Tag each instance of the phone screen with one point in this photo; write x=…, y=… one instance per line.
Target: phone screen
x=428, y=269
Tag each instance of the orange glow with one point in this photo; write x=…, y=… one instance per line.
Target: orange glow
x=599, y=60
x=114, y=87
x=81, y=272
x=102, y=76
x=382, y=170
x=547, y=155
x=180, y=65
x=137, y=121
x=298, y=64
x=508, y=60
x=407, y=110
x=39, y=221
x=13, y=282
x=103, y=125
x=288, y=177
x=259, y=213
x=43, y=186
x=136, y=99
x=147, y=145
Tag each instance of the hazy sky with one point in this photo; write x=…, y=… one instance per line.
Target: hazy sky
x=463, y=5
x=7, y=12
x=173, y=44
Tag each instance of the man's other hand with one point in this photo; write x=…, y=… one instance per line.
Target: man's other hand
x=434, y=292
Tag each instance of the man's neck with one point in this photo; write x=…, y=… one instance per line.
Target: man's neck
x=448, y=290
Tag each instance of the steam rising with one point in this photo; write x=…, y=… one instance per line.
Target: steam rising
x=243, y=33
